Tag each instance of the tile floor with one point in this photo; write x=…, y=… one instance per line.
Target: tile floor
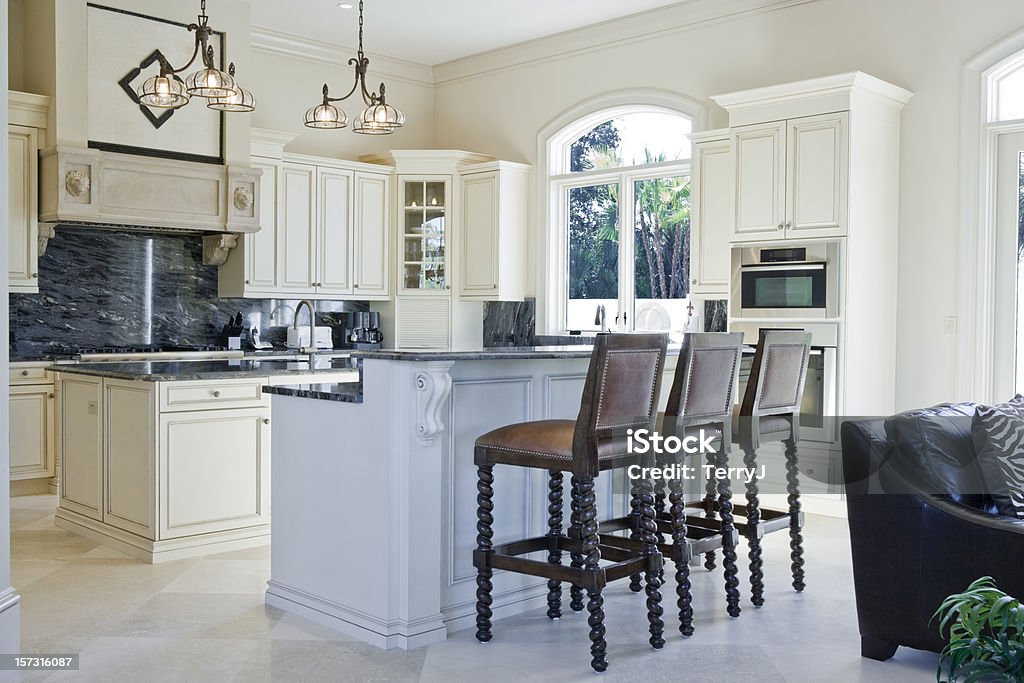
x=204, y=620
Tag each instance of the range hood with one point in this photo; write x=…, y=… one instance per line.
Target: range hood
x=107, y=189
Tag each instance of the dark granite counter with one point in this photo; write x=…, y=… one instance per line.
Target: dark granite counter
x=490, y=353
x=171, y=371
x=344, y=393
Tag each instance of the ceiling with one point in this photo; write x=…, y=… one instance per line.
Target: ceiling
x=431, y=32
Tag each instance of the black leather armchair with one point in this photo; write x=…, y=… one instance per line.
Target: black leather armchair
x=921, y=529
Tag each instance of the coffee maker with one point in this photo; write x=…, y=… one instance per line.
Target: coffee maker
x=362, y=330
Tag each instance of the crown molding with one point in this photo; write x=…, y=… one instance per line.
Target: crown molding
x=332, y=54
x=682, y=16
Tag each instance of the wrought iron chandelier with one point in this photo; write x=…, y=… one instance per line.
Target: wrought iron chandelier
x=168, y=91
x=379, y=117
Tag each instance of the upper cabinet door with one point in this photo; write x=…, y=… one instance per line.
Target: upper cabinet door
x=818, y=161
x=760, y=182
x=371, y=229
x=296, y=237
x=480, y=226
x=23, y=231
x=334, y=191
x=711, y=216
x=261, y=266
x=423, y=232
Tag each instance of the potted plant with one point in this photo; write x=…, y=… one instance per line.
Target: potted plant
x=985, y=627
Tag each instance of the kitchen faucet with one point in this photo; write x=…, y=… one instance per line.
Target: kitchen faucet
x=599, y=318
x=311, y=349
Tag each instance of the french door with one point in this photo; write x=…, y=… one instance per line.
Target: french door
x=1008, y=342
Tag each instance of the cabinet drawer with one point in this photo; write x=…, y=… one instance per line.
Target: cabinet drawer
x=206, y=395
x=30, y=374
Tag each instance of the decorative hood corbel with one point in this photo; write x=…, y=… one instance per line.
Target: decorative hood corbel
x=107, y=189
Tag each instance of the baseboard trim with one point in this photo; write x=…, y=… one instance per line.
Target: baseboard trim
x=385, y=635
x=156, y=552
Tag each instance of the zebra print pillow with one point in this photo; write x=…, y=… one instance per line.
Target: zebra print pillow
x=998, y=433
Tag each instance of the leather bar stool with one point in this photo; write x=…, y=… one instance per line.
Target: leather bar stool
x=621, y=393
x=769, y=411
x=700, y=399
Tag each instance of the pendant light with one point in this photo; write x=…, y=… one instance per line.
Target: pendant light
x=378, y=118
x=168, y=91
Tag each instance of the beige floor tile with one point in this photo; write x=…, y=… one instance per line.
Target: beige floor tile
x=42, y=523
x=199, y=615
x=223, y=576
x=52, y=544
x=330, y=662
x=27, y=572
x=155, y=660
x=292, y=627
x=258, y=553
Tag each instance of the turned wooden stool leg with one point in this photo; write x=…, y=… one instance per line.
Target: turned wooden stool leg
x=635, y=580
x=709, y=508
x=554, y=531
x=796, y=539
x=754, y=540
x=732, y=593
x=576, y=559
x=485, y=506
x=592, y=559
x=653, y=573
x=681, y=559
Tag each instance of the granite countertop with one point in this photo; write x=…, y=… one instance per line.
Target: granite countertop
x=169, y=371
x=490, y=353
x=344, y=393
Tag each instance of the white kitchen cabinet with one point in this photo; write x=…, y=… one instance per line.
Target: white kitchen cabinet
x=324, y=233
x=711, y=213
x=791, y=178
x=371, y=245
x=214, y=471
x=334, y=237
x=298, y=229
x=164, y=470
x=31, y=431
x=80, y=444
x=26, y=135
x=493, y=232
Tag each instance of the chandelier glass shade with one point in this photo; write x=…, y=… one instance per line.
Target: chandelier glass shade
x=378, y=118
x=164, y=92
x=168, y=91
x=240, y=99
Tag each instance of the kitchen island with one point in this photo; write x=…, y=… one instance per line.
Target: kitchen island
x=375, y=488
x=170, y=459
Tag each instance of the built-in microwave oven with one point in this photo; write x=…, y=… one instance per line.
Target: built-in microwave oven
x=791, y=281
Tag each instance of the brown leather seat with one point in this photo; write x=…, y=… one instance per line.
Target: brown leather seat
x=546, y=444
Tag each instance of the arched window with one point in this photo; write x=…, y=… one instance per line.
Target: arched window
x=619, y=194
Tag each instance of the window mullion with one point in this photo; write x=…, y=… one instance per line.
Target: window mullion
x=626, y=248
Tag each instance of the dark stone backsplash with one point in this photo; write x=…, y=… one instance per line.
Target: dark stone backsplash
x=716, y=315
x=102, y=287
x=510, y=323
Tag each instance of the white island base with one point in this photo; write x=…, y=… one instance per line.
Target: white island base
x=374, y=518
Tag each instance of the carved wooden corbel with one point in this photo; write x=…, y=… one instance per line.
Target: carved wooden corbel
x=47, y=231
x=433, y=385
x=217, y=247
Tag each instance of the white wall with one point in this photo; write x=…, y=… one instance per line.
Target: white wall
x=10, y=634
x=921, y=45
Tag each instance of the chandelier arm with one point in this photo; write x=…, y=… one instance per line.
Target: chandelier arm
x=170, y=70
x=347, y=95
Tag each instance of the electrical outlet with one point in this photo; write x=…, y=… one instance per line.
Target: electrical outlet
x=950, y=325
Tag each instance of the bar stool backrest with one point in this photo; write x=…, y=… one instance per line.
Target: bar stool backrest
x=777, y=374
x=621, y=392
x=705, y=379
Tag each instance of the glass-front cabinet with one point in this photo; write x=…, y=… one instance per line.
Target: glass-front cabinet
x=425, y=202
